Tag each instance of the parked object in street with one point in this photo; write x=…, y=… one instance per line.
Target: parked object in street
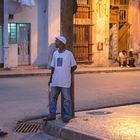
x=3, y=133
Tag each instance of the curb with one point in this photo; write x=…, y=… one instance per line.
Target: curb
x=64, y=132
x=10, y=74
x=106, y=71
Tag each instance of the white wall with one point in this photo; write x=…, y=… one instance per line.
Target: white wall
x=42, y=32
x=53, y=19
x=25, y=14
x=13, y=55
x=48, y=27
x=45, y=25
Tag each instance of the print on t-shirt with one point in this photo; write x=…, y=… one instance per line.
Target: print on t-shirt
x=59, y=62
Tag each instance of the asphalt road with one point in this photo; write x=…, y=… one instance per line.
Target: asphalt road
x=26, y=97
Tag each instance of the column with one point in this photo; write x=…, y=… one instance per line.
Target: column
x=5, y=37
x=53, y=20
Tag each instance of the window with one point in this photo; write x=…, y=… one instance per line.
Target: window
x=124, y=2
x=82, y=1
x=1, y=35
x=114, y=2
x=12, y=32
x=123, y=15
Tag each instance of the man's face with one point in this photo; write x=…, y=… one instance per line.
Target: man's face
x=59, y=44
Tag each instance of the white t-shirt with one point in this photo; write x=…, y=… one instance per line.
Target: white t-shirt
x=62, y=63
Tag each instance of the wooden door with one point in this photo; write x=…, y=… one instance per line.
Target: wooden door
x=82, y=31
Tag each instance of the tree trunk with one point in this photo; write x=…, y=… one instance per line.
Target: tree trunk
x=67, y=31
x=67, y=21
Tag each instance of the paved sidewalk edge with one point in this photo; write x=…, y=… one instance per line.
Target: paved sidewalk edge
x=105, y=71
x=11, y=74
x=64, y=132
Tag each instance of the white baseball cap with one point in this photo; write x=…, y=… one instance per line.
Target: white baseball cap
x=62, y=39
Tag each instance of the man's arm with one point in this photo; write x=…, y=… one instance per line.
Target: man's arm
x=52, y=71
x=73, y=68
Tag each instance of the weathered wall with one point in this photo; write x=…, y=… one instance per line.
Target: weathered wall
x=134, y=20
x=53, y=20
x=42, y=32
x=113, y=44
x=101, y=47
x=13, y=55
x=48, y=27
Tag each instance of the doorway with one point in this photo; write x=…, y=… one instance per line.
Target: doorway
x=23, y=44
x=82, y=46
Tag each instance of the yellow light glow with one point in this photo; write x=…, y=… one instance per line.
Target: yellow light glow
x=127, y=128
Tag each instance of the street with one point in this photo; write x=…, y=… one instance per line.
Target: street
x=25, y=97
x=105, y=89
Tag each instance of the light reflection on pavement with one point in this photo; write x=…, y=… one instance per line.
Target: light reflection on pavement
x=126, y=127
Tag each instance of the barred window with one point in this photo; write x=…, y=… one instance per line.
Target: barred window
x=124, y=2
x=114, y=2
x=12, y=32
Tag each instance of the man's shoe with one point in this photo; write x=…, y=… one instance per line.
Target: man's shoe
x=2, y=133
x=49, y=118
x=66, y=120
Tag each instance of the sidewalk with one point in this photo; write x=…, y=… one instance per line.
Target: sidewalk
x=117, y=123
x=30, y=71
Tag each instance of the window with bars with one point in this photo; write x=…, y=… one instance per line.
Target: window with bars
x=83, y=9
x=124, y=2
x=114, y=2
x=12, y=32
x=123, y=15
x=119, y=2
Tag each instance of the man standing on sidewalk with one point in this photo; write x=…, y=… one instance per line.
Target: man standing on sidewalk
x=62, y=66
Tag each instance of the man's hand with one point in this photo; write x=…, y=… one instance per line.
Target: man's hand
x=52, y=71
x=49, y=82
x=73, y=68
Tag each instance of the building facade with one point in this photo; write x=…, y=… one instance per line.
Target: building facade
x=101, y=29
